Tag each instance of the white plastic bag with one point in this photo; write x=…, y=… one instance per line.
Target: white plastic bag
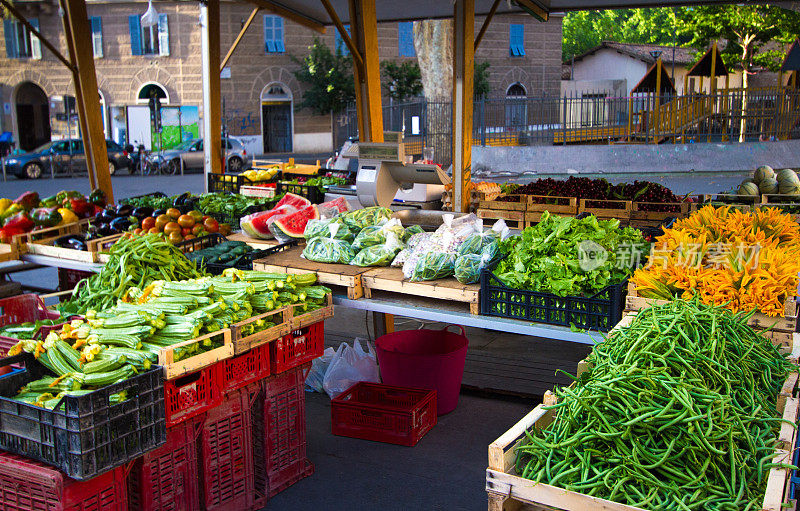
x=350, y=364
x=150, y=16
x=319, y=366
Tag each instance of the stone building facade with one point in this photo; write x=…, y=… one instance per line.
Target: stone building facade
x=259, y=88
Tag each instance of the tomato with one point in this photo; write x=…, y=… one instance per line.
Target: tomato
x=205, y=217
x=211, y=225
x=173, y=213
x=148, y=223
x=175, y=237
x=153, y=230
x=198, y=216
x=185, y=231
x=225, y=229
x=161, y=221
x=189, y=237
x=172, y=227
x=197, y=228
x=186, y=221
x=137, y=231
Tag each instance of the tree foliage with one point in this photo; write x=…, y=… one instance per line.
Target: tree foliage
x=480, y=82
x=328, y=78
x=401, y=81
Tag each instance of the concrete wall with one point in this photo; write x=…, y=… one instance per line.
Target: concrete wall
x=608, y=64
x=638, y=159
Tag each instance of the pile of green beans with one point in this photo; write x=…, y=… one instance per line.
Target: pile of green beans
x=678, y=411
x=137, y=261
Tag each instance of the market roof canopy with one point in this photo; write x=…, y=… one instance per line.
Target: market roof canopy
x=648, y=83
x=792, y=60
x=704, y=65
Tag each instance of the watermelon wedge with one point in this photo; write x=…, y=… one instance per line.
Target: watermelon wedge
x=291, y=199
x=340, y=204
x=292, y=225
x=256, y=225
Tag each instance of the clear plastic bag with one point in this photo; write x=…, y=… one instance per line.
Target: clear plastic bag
x=350, y=365
x=329, y=250
x=434, y=265
x=411, y=230
x=468, y=266
x=360, y=218
x=319, y=366
x=321, y=229
x=379, y=255
x=415, y=241
x=377, y=234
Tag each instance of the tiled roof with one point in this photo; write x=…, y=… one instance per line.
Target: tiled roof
x=683, y=55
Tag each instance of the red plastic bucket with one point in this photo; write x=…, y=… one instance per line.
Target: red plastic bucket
x=425, y=359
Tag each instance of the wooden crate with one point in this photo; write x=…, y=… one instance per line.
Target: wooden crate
x=392, y=280
x=779, y=329
x=774, y=201
x=21, y=241
x=243, y=343
x=565, y=206
x=299, y=321
x=743, y=202
x=515, y=203
x=46, y=247
x=506, y=490
x=514, y=219
x=175, y=369
x=607, y=209
x=640, y=217
x=289, y=261
x=8, y=252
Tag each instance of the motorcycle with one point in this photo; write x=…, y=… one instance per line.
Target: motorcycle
x=138, y=158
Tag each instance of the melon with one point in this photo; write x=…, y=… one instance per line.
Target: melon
x=291, y=199
x=789, y=188
x=768, y=185
x=763, y=172
x=748, y=188
x=339, y=204
x=293, y=225
x=256, y=225
x=787, y=176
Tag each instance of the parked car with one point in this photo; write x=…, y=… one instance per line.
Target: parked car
x=62, y=156
x=189, y=154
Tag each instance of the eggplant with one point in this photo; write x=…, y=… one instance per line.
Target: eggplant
x=105, y=230
x=120, y=224
x=181, y=200
x=159, y=212
x=106, y=216
x=142, y=212
x=124, y=210
x=72, y=241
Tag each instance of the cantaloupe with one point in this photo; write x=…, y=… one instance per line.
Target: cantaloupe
x=763, y=172
x=768, y=185
x=748, y=188
x=789, y=188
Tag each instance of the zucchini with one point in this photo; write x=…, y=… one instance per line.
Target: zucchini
x=104, y=365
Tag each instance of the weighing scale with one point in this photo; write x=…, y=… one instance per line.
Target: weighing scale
x=382, y=173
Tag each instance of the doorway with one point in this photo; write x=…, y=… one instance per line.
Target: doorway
x=276, y=118
x=33, y=116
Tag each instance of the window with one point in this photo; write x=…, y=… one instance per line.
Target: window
x=60, y=148
x=516, y=107
x=20, y=42
x=339, y=46
x=149, y=40
x=273, y=34
x=405, y=39
x=516, y=40
x=97, y=36
x=76, y=146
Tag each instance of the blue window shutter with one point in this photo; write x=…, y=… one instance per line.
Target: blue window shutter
x=405, y=39
x=10, y=32
x=36, y=44
x=339, y=45
x=97, y=36
x=136, y=34
x=163, y=35
x=516, y=39
x=278, y=34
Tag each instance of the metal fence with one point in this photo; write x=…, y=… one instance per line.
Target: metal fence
x=590, y=118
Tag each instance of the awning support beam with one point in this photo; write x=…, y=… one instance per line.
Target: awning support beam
x=364, y=28
x=289, y=13
x=359, y=60
x=239, y=38
x=8, y=5
x=486, y=22
x=463, y=76
x=212, y=98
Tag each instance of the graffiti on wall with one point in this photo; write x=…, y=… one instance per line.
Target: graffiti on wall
x=242, y=122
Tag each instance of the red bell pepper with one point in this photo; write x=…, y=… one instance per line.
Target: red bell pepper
x=6, y=233
x=28, y=200
x=20, y=221
x=97, y=210
x=81, y=207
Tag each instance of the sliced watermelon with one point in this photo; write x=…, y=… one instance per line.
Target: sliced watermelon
x=339, y=204
x=293, y=225
x=291, y=199
x=256, y=225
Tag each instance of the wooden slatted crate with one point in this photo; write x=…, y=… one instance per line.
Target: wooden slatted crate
x=516, y=219
x=391, y=280
x=177, y=368
x=607, y=209
x=242, y=343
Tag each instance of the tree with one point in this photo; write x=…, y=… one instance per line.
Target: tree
x=401, y=81
x=747, y=30
x=480, y=81
x=328, y=77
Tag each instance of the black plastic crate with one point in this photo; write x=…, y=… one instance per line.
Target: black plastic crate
x=601, y=311
x=227, y=182
x=86, y=435
x=310, y=192
x=244, y=263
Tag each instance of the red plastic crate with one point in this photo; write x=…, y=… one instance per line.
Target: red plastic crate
x=279, y=434
x=246, y=368
x=384, y=413
x=167, y=478
x=297, y=347
x=27, y=485
x=193, y=394
x=24, y=309
x=227, y=459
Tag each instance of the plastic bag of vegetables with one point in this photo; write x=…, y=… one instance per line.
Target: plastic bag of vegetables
x=475, y=242
x=410, y=231
x=377, y=234
x=379, y=255
x=360, y=218
x=320, y=228
x=413, y=242
x=434, y=265
x=330, y=249
x=468, y=267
